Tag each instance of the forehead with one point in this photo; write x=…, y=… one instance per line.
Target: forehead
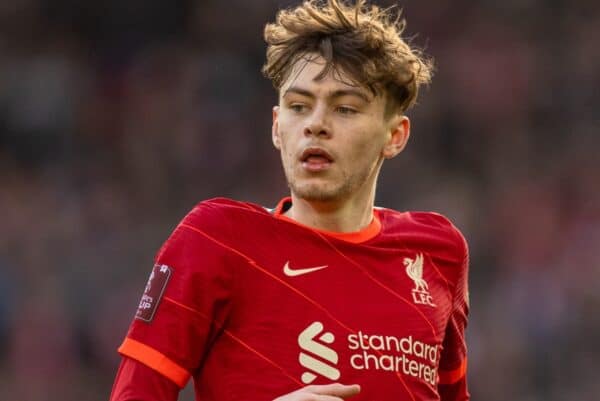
x=305, y=73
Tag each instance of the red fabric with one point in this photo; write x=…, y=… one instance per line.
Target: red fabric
x=137, y=382
x=456, y=391
x=248, y=317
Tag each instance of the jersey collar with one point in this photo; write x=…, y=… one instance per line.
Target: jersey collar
x=355, y=237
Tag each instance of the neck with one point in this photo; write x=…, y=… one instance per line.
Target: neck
x=349, y=215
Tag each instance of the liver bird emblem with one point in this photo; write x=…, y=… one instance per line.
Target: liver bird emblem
x=414, y=269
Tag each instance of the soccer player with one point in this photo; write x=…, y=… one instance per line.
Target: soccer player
x=325, y=296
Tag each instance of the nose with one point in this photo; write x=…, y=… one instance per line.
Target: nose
x=317, y=123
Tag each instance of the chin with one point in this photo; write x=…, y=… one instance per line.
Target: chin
x=316, y=196
x=318, y=192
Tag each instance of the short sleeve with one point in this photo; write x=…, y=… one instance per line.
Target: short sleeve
x=453, y=363
x=136, y=381
x=185, y=302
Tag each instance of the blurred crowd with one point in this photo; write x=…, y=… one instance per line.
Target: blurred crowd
x=117, y=116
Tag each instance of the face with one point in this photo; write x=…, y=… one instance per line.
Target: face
x=333, y=136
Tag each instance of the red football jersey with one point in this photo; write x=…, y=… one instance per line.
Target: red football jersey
x=254, y=305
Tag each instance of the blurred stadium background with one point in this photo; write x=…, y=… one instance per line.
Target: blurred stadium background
x=117, y=116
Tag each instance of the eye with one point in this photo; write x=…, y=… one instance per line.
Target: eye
x=346, y=110
x=297, y=107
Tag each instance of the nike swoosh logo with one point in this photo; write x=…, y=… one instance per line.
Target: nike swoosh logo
x=288, y=271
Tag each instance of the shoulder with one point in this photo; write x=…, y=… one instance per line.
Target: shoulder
x=222, y=213
x=209, y=231
x=429, y=229
x=215, y=219
x=439, y=224
x=223, y=206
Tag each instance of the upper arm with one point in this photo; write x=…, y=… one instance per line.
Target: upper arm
x=137, y=382
x=186, y=308
x=453, y=362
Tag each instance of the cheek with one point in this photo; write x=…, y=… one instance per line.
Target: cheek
x=367, y=148
x=285, y=146
x=288, y=131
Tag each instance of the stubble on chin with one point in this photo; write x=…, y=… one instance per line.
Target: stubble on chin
x=314, y=193
x=330, y=188
x=323, y=191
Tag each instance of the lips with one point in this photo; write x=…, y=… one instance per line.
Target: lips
x=316, y=159
x=316, y=154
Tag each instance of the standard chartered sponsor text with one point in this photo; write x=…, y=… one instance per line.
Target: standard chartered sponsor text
x=397, y=354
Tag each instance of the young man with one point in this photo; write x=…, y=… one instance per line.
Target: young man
x=325, y=289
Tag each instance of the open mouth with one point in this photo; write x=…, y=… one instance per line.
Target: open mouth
x=316, y=155
x=316, y=159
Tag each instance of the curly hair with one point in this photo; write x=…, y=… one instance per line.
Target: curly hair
x=362, y=40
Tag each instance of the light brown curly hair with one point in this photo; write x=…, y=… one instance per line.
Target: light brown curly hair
x=362, y=40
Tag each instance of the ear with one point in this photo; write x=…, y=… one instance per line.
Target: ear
x=275, y=129
x=399, y=132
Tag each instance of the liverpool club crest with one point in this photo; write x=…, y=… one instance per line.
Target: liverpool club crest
x=414, y=269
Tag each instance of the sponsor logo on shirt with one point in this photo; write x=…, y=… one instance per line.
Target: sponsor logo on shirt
x=414, y=270
x=157, y=282
x=288, y=271
x=311, y=347
x=405, y=355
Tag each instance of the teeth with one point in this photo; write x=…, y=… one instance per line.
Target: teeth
x=317, y=158
x=319, y=155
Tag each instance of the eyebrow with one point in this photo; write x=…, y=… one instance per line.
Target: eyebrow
x=333, y=95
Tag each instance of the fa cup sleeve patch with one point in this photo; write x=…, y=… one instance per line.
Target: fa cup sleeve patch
x=153, y=292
